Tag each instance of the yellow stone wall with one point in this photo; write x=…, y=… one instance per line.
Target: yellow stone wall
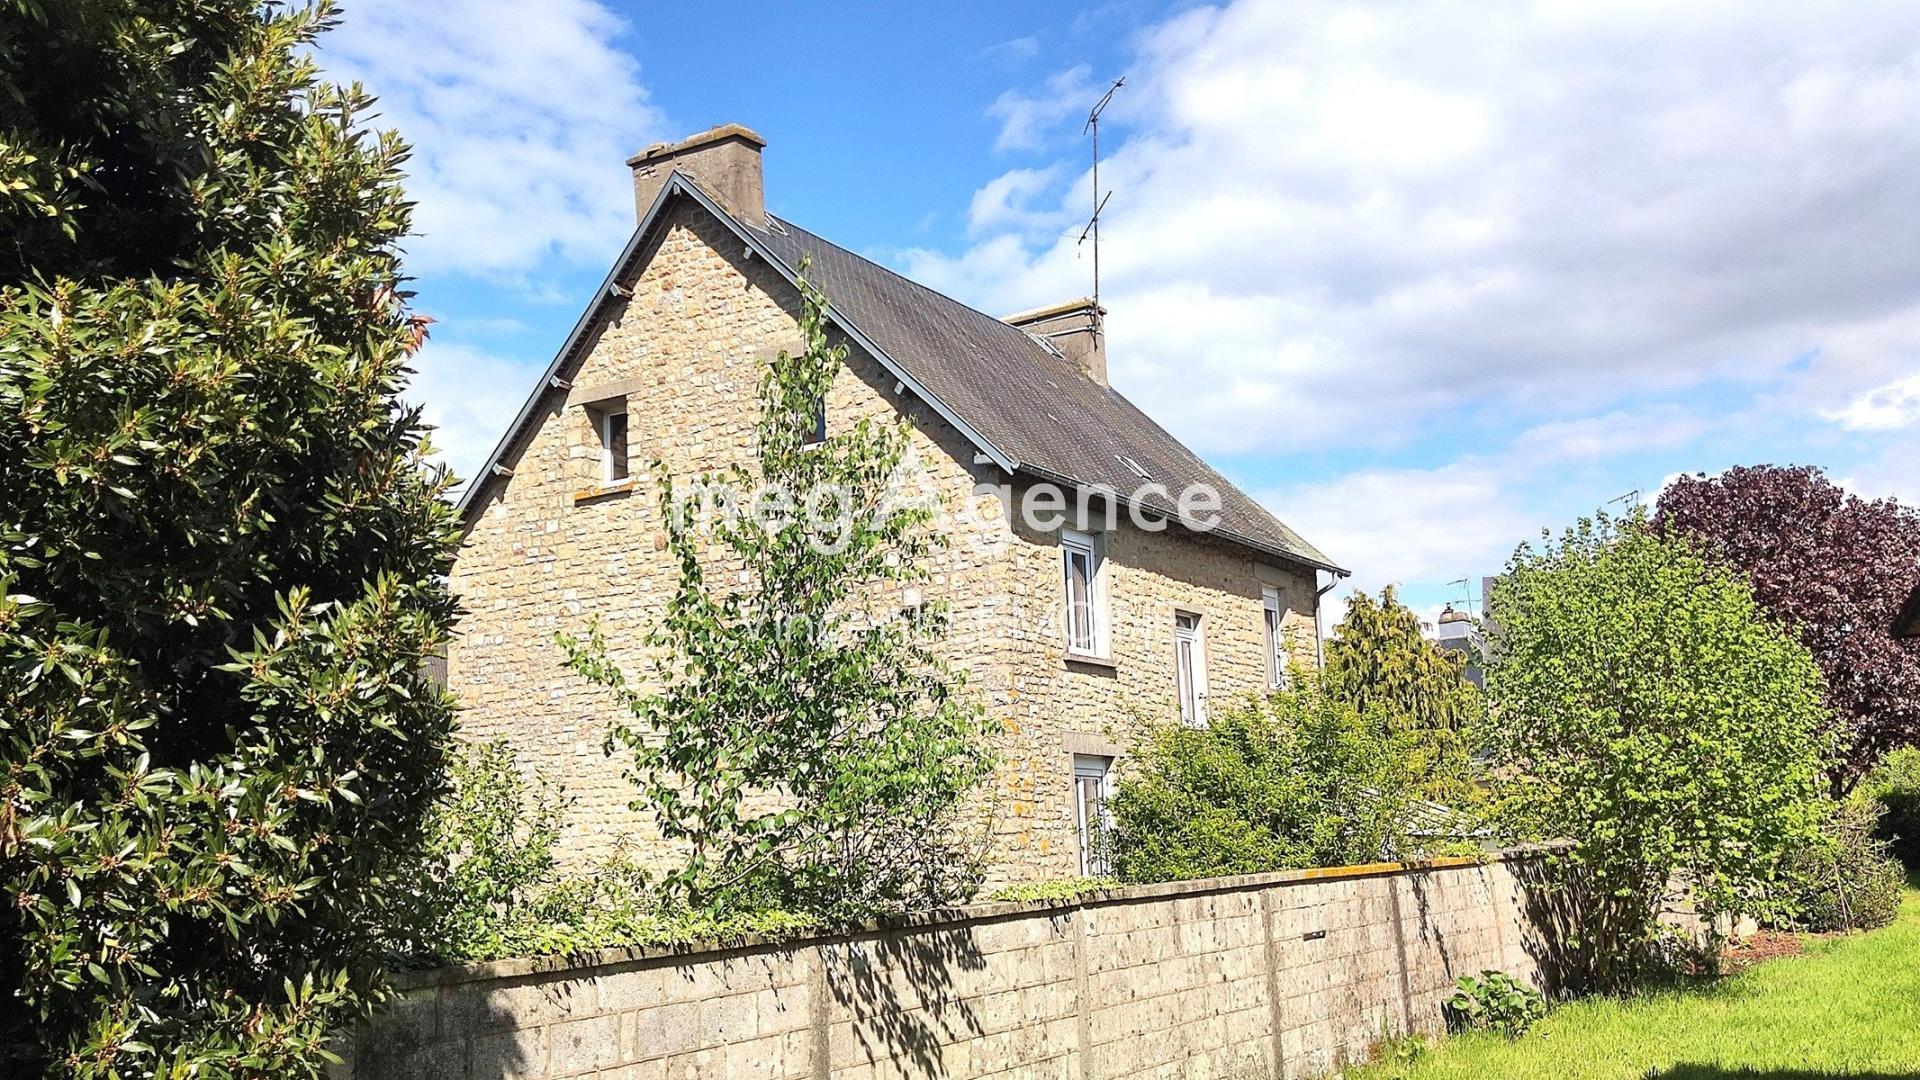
x=544, y=555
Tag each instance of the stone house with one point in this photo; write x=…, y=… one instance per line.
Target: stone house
x=1157, y=587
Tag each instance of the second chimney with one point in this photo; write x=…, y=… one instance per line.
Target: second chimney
x=1076, y=328
x=724, y=161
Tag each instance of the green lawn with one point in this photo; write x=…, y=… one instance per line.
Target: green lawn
x=1848, y=1007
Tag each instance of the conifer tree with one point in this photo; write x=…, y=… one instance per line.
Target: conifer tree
x=1380, y=663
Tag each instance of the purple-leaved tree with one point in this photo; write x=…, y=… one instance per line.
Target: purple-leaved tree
x=1836, y=568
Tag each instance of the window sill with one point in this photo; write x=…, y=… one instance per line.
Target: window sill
x=1088, y=660
x=601, y=491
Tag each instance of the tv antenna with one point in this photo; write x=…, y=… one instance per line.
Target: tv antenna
x=1466, y=585
x=1629, y=500
x=1099, y=201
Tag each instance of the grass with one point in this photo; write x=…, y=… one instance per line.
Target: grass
x=1847, y=1007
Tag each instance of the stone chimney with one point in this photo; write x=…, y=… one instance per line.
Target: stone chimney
x=725, y=161
x=1076, y=328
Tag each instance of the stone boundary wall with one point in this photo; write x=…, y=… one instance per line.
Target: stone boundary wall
x=1275, y=975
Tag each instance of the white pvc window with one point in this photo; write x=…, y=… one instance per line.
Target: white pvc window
x=613, y=445
x=1084, y=596
x=1190, y=668
x=1092, y=788
x=1272, y=614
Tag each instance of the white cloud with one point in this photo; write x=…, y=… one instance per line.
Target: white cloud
x=1622, y=431
x=519, y=115
x=1006, y=202
x=1337, y=223
x=469, y=396
x=1026, y=118
x=1402, y=525
x=1884, y=408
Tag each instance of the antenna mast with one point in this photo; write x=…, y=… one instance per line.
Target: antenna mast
x=1099, y=201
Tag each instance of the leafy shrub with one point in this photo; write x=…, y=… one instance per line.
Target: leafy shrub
x=1846, y=881
x=1496, y=1001
x=1895, y=785
x=492, y=886
x=222, y=558
x=1644, y=707
x=1291, y=780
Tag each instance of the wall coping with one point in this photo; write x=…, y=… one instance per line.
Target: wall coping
x=590, y=960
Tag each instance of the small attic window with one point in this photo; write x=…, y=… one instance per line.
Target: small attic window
x=610, y=423
x=1134, y=467
x=817, y=434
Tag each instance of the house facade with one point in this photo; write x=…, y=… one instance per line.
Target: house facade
x=1097, y=571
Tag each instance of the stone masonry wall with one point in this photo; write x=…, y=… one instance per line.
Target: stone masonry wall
x=1280, y=975
x=550, y=548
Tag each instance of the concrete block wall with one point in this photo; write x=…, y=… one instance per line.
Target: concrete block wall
x=1278, y=975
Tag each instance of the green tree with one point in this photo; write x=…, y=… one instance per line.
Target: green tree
x=1645, y=708
x=1380, y=663
x=221, y=558
x=1290, y=780
x=799, y=737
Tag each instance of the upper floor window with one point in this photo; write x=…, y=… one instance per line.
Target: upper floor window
x=1190, y=668
x=613, y=442
x=1273, y=615
x=1082, y=567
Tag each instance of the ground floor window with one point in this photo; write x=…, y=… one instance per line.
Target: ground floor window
x=1092, y=787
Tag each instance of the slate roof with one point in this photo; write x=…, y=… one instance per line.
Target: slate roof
x=1025, y=406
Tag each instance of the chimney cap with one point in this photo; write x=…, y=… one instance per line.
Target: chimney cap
x=712, y=135
x=1054, y=311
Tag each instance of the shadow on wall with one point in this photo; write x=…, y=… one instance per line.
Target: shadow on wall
x=1553, y=899
x=899, y=991
x=1429, y=928
x=409, y=1040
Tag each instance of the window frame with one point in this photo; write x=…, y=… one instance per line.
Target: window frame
x=1273, y=616
x=818, y=436
x=614, y=470
x=1190, y=667
x=1098, y=643
x=1097, y=768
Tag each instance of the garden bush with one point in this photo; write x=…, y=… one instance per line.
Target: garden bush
x=1644, y=707
x=492, y=885
x=1291, y=780
x=1847, y=880
x=1895, y=785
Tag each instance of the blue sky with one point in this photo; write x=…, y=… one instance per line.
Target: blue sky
x=1424, y=276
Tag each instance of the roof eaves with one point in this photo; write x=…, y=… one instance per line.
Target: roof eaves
x=677, y=183
x=471, y=496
